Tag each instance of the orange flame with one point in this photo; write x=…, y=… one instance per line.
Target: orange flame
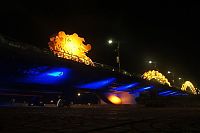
x=114, y=99
x=70, y=47
x=121, y=98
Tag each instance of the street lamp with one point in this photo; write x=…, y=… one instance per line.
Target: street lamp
x=179, y=82
x=110, y=41
x=118, y=55
x=153, y=62
x=169, y=72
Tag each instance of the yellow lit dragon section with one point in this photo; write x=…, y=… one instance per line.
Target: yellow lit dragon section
x=189, y=85
x=152, y=74
x=70, y=47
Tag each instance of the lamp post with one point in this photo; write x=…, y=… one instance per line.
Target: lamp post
x=179, y=82
x=153, y=62
x=169, y=72
x=118, y=53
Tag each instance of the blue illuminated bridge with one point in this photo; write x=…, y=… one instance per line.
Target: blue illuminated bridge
x=31, y=73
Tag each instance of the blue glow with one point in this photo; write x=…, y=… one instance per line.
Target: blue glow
x=47, y=76
x=142, y=89
x=97, y=84
x=164, y=92
x=36, y=70
x=55, y=74
x=135, y=94
x=125, y=87
x=169, y=93
x=172, y=93
x=178, y=94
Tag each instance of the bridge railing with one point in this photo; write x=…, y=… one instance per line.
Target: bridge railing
x=82, y=60
x=111, y=68
x=19, y=45
x=95, y=64
x=73, y=57
x=24, y=46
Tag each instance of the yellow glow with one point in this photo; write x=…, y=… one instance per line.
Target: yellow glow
x=157, y=76
x=70, y=47
x=114, y=99
x=189, y=85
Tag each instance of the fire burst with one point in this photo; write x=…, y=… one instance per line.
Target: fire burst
x=70, y=47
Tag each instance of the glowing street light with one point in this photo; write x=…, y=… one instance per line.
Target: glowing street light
x=169, y=72
x=154, y=63
x=79, y=94
x=110, y=41
x=118, y=55
x=180, y=81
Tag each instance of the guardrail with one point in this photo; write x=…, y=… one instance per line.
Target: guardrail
x=95, y=64
x=14, y=43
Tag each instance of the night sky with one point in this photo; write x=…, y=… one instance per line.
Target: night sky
x=164, y=32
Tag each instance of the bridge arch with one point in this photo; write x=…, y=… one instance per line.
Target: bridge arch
x=159, y=77
x=188, y=85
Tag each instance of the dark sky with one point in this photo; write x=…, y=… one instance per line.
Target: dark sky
x=165, y=32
